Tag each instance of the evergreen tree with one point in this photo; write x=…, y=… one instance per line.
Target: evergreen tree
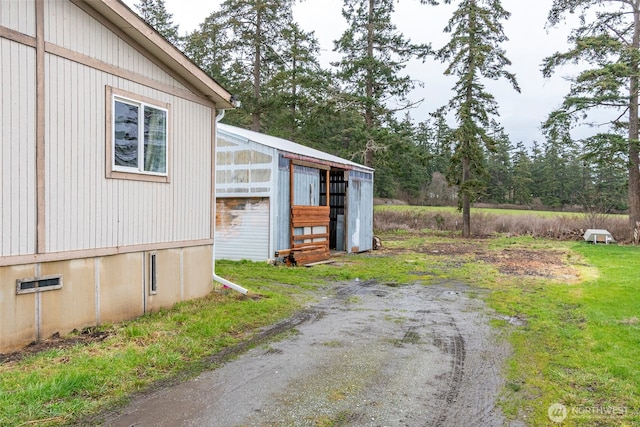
x=209, y=48
x=499, y=167
x=608, y=41
x=155, y=13
x=474, y=53
x=299, y=88
x=374, y=55
x=521, y=176
x=253, y=40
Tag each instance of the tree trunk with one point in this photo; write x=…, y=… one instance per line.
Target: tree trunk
x=466, y=200
x=369, y=145
x=466, y=138
x=257, y=65
x=634, y=160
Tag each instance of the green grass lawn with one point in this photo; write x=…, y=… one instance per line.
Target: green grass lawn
x=578, y=345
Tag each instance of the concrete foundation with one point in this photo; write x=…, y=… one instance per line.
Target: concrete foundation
x=98, y=290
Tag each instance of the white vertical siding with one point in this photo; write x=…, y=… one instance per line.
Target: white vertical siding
x=70, y=27
x=19, y=15
x=242, y=228
x=85, y=210
x=17, y=148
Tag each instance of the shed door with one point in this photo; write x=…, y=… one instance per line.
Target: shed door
x=242, y=228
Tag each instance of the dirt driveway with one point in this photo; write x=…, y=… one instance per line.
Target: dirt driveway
x=367, y=354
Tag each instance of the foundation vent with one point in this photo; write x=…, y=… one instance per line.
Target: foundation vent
x=48, y=283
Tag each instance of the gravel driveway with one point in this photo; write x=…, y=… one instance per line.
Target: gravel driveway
x=368, y=354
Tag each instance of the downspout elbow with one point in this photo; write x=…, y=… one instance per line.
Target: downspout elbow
x=229, y=284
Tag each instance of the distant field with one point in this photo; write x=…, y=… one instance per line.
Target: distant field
x=493, y=211
x=493, y=222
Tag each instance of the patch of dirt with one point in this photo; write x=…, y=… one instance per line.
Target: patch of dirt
x=85, y=337
x=523, y=262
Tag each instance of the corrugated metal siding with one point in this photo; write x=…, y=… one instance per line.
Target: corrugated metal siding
x=360, y=212
x=17, y=147
x=282, y=236
x=70, y=27
x=243, y=167
x=306, y=186
x=19, y=15
x=85, y=210
x=242, y=228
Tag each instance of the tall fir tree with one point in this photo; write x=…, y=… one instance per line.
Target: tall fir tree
x=208, y=47
x=374, y=54
x=607, y=41
x=521, y=181
x=299, y=89
x=253, y=31
x=473, y=54
x=498, y=167
x=155, y=13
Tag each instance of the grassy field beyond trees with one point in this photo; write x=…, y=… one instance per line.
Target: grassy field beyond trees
x=491, y=221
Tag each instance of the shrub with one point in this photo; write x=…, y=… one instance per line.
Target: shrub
x=561, y=226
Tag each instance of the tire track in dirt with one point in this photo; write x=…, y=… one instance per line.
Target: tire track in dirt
x=368, y=355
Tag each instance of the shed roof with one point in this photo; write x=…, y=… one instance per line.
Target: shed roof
x=135, y=27
x=293, y=150
x=593, y=234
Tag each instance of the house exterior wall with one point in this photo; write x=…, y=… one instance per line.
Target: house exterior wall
x=19, y=16
x=61, y=214
x=17, y=154
x=69, y=27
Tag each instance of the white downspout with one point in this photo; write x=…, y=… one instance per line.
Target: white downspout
x=217, y=278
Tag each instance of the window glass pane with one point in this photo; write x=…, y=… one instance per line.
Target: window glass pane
x=155, y=140
x=126, y=135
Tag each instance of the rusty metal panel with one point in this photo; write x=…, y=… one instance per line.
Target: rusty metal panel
x=242, y=228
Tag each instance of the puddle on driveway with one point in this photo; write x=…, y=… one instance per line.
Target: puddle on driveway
x=371, y=355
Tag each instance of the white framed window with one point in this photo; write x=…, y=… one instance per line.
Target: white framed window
x=138, y=143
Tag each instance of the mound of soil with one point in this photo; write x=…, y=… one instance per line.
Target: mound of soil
x=86, y=336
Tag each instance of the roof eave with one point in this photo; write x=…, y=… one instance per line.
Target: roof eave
x=131, y=24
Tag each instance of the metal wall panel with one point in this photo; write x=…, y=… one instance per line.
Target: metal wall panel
x=242, y=229
x=69, y=26
x=282, y=235
x=84, y=210
x=19, y=15
x=17, y=148
x=244, y=167
x=306, y=186
x=360, y=212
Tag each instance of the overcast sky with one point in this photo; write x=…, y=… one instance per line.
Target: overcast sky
x=529, y=42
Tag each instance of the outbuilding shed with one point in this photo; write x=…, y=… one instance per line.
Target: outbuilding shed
x=279, y=199
x=593, y=235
